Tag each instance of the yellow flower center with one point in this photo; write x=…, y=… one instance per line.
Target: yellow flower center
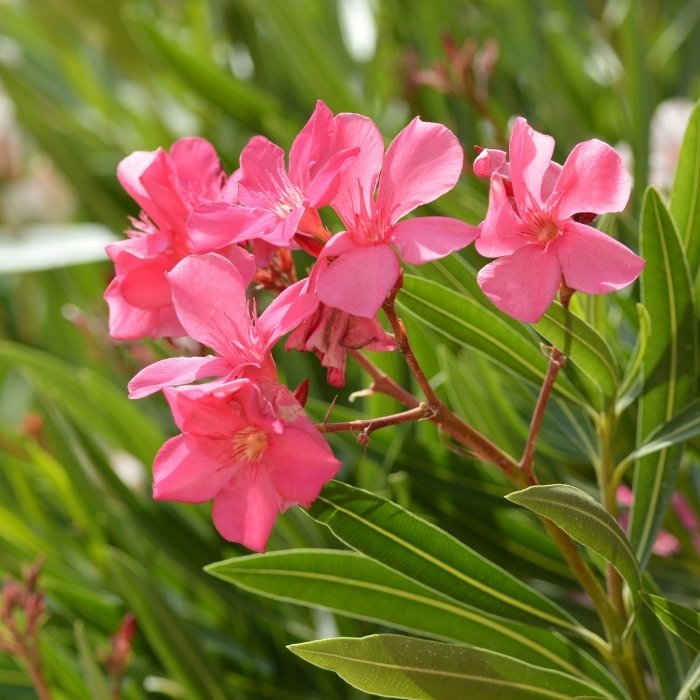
x=249, y=444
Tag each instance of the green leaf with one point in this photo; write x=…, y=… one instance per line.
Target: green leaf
x=93, y=675
x=167, y=632
x=666, y=654
x=464, y=321
x=683, y=426
x=690, y=684
x=685, y=196
x=403, y=667
x=586, y=521
x=352, y=584
x=588, y=350
x=630, y=386
x=408, y=544
x=669, y=367
x=682, y=621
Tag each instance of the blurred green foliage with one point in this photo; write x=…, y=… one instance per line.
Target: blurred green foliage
x=92, y=81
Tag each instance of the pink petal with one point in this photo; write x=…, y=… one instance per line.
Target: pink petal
x=209, y=298
x=174, y=371
x=129, y=173
x=358, y=180
x=264, y=178
x=243, y=261
x=126, y=322
x=422, y=163
x=501, y=232
x=300, y=463
x=593, y=179
x=147, y=286
x=246, y=512
x=326, y=181
x=311, y=147
x=184, y=470
x=490, y=161
x=530, y=154
x=359, y=281
x=593, y=262
x=286, y=312
x=197, y=165
x=427, y=238
x=523, y=284
x=218, y=224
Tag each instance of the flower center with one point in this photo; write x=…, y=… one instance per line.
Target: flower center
x=249, y=444
x=543, y=226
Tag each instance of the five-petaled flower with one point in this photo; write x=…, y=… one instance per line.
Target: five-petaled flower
x=247, y=446
x=531, y=225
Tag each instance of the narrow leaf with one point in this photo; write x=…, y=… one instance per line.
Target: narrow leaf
x=682, y=621
x=588, y=350
x=408, y=544
x=351, y=584
x=403, y=667
x=586, y=521
x=93, y=675
x=464, y=321
x=669, y=367
x=685, y=196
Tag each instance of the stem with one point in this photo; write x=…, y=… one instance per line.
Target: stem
x=557, y=360
x=367, y=426
x=383, y=383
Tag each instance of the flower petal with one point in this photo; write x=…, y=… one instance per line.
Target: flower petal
x=359, y=281
x=593, y=262
x=422, y=163
x=218, y=224
x=246, y=512
x=300, y=463
x=312, y=146
x=185, y=469
x=427, y=238
x=501, y=231
x=359, y=179
x=209, y=298
x=593, y=179
x=530, y=155
x=286, y=312
x=523, y=284
x=174, y=371
x=198, y=167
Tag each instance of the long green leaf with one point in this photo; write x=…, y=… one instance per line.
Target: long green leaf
x=588, y=349
x=408, y=544
x=352, y=584
x=93, y=675
x=464, y=321
x=685, y=196
x=683, y=426
x=682, y=621
x=403, y=667
x=586, y=521
x=669, y=368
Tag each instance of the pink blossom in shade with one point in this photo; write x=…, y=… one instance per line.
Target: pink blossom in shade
x=167, y=186
x=534, y=232
x=330, y=333
x=359, y=267
x=208, y=294
x=281, y=202
x=665, y=545
x=248, y=447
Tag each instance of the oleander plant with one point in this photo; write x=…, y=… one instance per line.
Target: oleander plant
x=349, y=350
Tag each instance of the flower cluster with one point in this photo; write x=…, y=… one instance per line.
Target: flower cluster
x=203, y=238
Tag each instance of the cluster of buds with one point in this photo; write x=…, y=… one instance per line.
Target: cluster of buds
x=203, y=238
x=22, y=614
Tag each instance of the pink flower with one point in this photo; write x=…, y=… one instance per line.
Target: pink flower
x=208, y=294
x=250, y=448
x=167, y=186
x=359, y=267
x=532, y=228
x=273, y=203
